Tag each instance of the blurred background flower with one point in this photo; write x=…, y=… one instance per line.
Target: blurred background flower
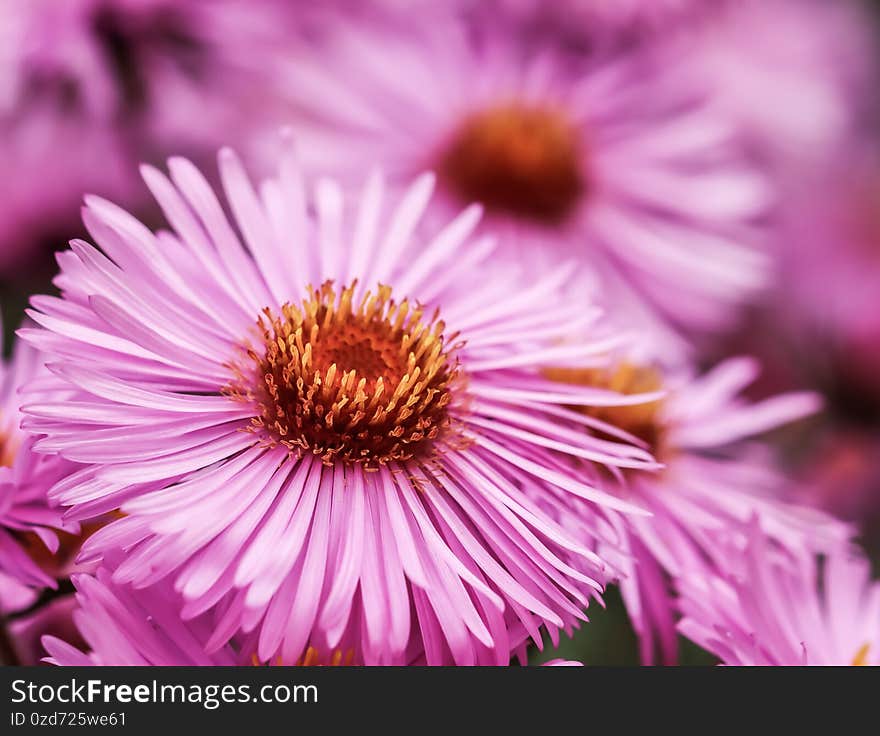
x=89, y=89
x=615, y=160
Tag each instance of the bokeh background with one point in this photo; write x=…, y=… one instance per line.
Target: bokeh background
x=89, y=88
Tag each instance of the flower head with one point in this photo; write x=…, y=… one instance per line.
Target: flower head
x=613, y=161
x=714, y=481
x=765, y=612
x=359, y=396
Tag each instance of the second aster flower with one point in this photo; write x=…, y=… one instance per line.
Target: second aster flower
x=613, y=161
x=716, y=478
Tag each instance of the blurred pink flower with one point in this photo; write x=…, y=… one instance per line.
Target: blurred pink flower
x=713, y=483
x=767, y=612
x=55, y=124
x=89, y=88
x=404, y=463
x=617, y=163
x=27, y=524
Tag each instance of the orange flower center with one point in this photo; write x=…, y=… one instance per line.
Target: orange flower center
x=861, y=658
x=367, y=383
x=8, y=449
x=641, y=420
x=516, y=160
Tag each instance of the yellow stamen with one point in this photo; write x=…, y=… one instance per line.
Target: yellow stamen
x=312, y=658
x=9, y=444
x=861, y=658
x=641, y=420
x=516, y=159
x=368, y=384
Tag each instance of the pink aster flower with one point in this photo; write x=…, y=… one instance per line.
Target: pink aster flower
x=27, y=524
x=713, y=483
x=616, y=162
x=764, y=612
x=357, y=395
